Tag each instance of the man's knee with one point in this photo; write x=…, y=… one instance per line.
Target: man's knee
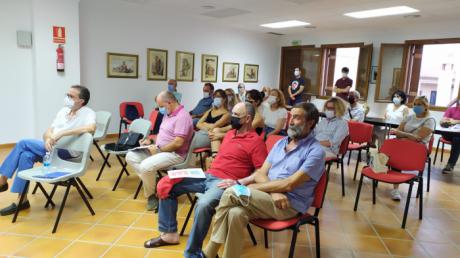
x=237, y=212
x=205, y=205
x=131, y=158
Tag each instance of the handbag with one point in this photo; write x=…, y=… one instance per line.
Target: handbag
x=126, y=142
x=378, y=162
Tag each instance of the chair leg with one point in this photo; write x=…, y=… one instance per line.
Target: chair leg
x=317, y=239
x=61, y=209
x=21, y=199
x=349, y=157
x=358, y=160
x=266, y=237
x=83, y=186
x=91, y=158
x=406, y=209
x=429, y=175
x=420, y=201
x=106, y=162
x=123, y=169
x=119, y=129
x=138, y=190
x=293, y=242
x=442, y=151
x=35, y=189
x=83, y=196
x=251, y=234
x=51, y=194
x=373, y=191
x=359, y=192
x=342, y=174
x=48, y=198
x=436, y=153
x=184, y=226
x=100, y=152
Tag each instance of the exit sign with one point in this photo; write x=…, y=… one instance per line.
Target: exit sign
x=297, y=42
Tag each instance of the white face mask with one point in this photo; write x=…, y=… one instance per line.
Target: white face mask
x=344, y=75
x=329, y=114
x=296, y=72
x=397, y=101
x=205, y=94
x=271, y=100
x=68, y=102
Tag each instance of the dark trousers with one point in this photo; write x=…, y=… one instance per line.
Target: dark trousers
x=455, y=148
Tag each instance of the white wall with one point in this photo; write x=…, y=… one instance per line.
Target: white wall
x=130, y=28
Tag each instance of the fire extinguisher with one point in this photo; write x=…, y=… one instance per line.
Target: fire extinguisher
x=60, y=58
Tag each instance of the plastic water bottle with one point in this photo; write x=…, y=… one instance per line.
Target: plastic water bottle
x=47, y=162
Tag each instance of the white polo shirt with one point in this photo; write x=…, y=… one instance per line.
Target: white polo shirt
x=85, y=116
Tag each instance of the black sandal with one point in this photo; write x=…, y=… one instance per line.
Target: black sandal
x=157, y=242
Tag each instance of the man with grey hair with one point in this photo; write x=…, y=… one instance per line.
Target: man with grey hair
x=170, y=148
x=355, y=111
x=242, y=152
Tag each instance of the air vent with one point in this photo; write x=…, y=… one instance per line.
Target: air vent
x=310, y=27
x=275, y=33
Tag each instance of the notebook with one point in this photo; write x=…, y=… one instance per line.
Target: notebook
x=52, y=175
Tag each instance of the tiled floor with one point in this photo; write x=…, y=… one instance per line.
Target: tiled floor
x=121, y=224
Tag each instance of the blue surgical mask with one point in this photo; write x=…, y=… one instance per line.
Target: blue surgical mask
x=217, y=102
x=170, y=87
x=163, y=110
x=418, y=109
x=243, y=193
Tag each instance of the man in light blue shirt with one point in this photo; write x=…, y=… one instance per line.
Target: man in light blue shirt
x=355, y=111
x=281, y=189
x=204, y=104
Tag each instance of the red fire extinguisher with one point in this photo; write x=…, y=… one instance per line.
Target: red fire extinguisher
x=60, y=58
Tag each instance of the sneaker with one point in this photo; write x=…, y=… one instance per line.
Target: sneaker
x=152, y=203
x=448, y=169
x=395, y=195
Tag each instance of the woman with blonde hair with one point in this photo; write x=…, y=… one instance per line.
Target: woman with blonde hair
x=275, y=113
x=232, y=99
x=416, y=127
x=331, y=130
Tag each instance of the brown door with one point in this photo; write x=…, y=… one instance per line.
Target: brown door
x=364, y=67
x=290, y=59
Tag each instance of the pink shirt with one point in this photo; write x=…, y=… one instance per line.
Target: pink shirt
x=177, y=124
x=453, y=112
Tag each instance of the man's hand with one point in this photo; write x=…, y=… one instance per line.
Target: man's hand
x=145, y=142
x=153, y=149
x=55, y=137
x=281, y=200
x=49, y=143
x=226, y=183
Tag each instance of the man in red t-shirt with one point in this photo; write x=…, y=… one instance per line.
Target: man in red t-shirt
x=343, y=85
x=242, y=151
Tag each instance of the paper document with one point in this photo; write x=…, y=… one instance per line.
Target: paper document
x=456, y=127
x=142, y=147
x=187, y=173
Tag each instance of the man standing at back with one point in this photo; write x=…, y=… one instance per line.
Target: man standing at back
x=343, y=85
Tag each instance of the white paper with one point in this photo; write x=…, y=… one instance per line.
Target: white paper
x=186, y=173
x=456, y=127
x=141, y=147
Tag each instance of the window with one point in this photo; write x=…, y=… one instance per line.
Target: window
x=389, y=71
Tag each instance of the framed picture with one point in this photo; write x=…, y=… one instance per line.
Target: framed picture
x=374, y=74
x=185, y=62
x=209, y=68
x=230, y=72
x=157, y=64
x=122, y=65
x=251, y=73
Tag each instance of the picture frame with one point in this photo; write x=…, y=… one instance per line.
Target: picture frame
x=185, y=66
x=209, y=65
x=121, y=65
x=230, y=72
x=251, y=73
x=374, y=73
x=157, y=64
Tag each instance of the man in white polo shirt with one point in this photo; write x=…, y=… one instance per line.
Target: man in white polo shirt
x=73, y=119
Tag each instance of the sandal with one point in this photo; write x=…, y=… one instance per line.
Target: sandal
x=157, y=242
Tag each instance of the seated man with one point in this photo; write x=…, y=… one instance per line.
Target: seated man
x=282, y=188
x=73, y=119
x=331, y=130
x=355, y=111
x=242, y=152
x=172, y=87
x=204, y=104
x=171, y=147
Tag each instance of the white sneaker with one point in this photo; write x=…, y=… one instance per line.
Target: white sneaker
x=395, y=195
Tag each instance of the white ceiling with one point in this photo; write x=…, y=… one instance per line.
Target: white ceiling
x=323, y=14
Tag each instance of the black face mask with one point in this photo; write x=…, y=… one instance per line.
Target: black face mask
x=236, y=123
x=351, y=99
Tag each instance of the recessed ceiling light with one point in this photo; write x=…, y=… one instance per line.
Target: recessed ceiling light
x=382, y=12
x=285, y=24
x=208, y=7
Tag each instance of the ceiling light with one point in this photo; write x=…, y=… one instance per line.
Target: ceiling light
x=285, y=24
x=382, y=12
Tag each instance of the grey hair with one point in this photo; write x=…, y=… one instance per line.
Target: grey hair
x=250, y=110
x=356, y=93
x=310, y=112
x=167, y=96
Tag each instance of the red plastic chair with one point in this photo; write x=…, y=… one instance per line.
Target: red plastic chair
x=360, y=139
x=295, y=223
x=428, y=160
x=123, y=119
x=339, y=160
x=397, y=150
x=443, y=141
x=271, y=140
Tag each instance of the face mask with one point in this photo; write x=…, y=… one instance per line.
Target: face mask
x=170, y=87
x=68, y=102
x=329, y=114
x=217, y=102
x=396, y=101
x=205, y=95
x=351, y=100
x=344, y=75
x=163, y=110
x=236, y=123
x=243, y=193
x=296, y=72
x=295, y=131
x=271, y=100
x=418, y=109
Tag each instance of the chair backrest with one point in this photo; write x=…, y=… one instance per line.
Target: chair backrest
x=75, y=143
x=141, y=126
x=271, y=140
x=288, y=120
x=404, y=154
x=153, y=118
x=138, y=105
x=320, y=191
x=344, y=145
x=102, y=124
x=193, y=145
x=360, y=132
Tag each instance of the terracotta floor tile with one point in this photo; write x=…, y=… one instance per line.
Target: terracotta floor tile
x=392, y=232
x=441, y=250
x=103, y=234
x=123, y=251
x=404, y=248
x=82, y=249
x=120, y=218
x=12, y=243
x=136, y=237
x=43, y=247
x=366, y=244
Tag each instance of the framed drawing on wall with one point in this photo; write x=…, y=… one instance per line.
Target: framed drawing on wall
x=374, y=72
x=230, y=72
x=185, y=62
x=209, y=65
x=157, y=64
x=251, y=73
x=122, y=65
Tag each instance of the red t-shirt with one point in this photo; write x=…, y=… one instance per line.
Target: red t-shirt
x=239, y=155
x=342, y=83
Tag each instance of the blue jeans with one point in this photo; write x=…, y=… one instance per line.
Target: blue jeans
x=204, y=210
x=22, y=157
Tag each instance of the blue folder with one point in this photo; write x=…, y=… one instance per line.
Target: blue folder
x=52, y=175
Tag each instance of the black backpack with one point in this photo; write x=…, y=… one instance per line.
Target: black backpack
x=126, y=142
x=131, y=112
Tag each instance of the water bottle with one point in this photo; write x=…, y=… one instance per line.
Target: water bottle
x=47, y=162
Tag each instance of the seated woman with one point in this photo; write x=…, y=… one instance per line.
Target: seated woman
x=232, y=99
x=416, y=127
x=216, y=117
x=331, y=130
x=452, y=117
x=275, y=113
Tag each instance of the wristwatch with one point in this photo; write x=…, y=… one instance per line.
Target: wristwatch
x=238, y=182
